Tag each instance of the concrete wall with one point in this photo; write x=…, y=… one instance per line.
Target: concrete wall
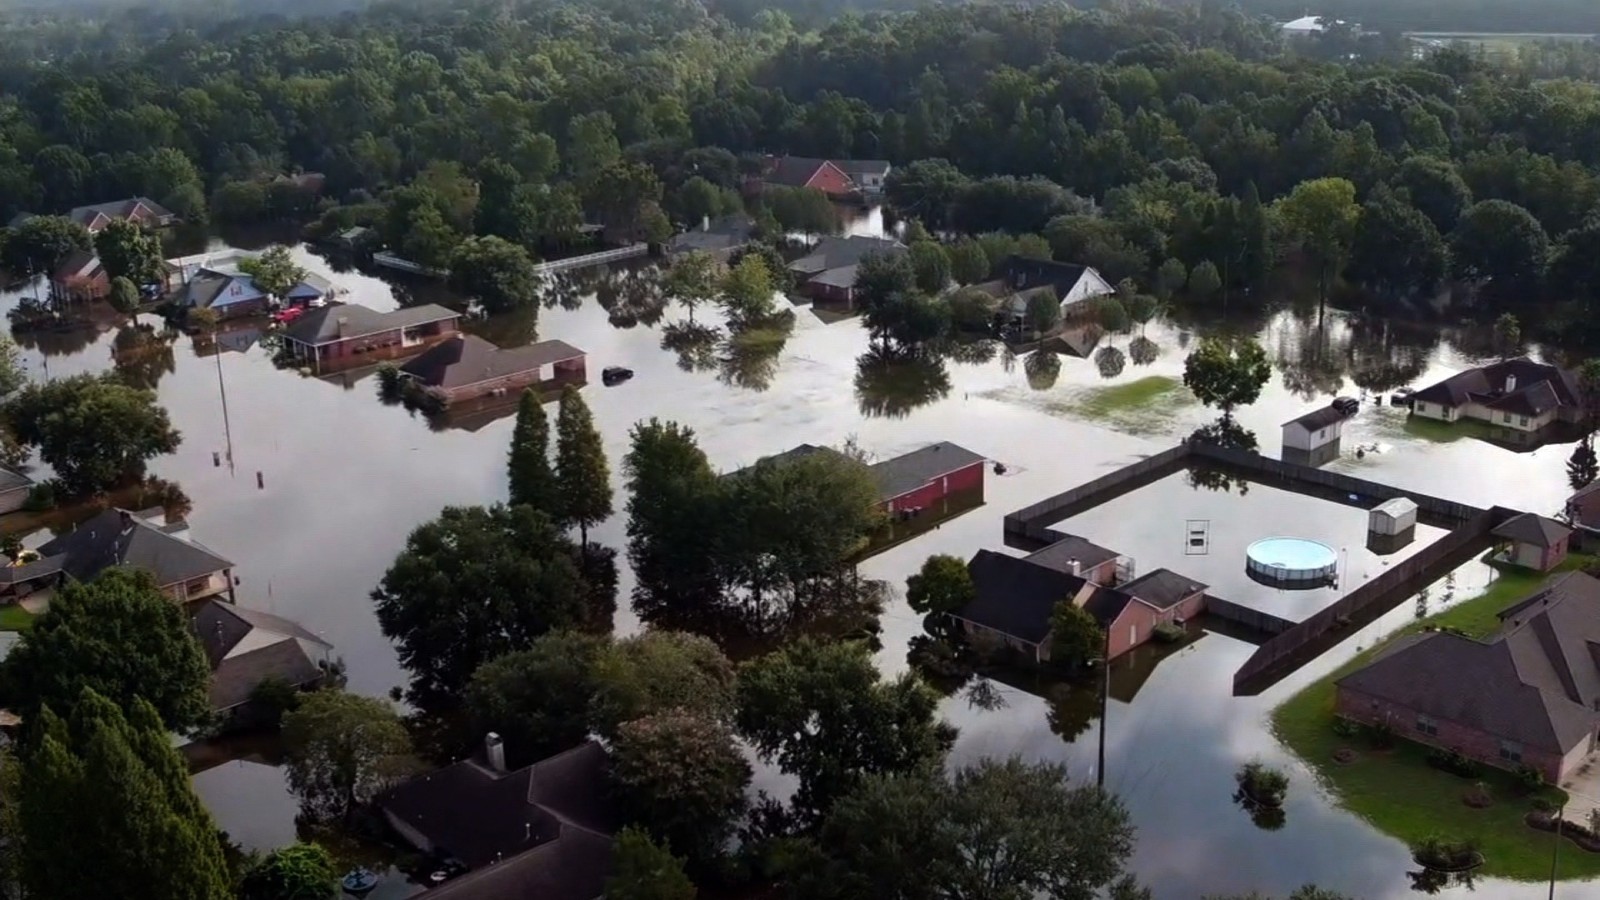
x=1469, y=742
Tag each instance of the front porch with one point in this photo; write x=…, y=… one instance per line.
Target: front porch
x=202, y=588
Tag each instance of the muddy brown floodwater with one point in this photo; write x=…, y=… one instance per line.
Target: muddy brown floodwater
x=347, y=477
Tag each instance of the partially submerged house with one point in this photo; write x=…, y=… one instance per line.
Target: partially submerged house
x=1533, y=542
x=1582, y=512
x=838, y=178
x=1016, y=597
x=542, y=831
x=80, y=277
x=868, y=175
x=246, y=647
x=1528, y=695
x=1312, y=439
x=466, y=366
x=828, y=273
x=1517, y=394
x=185, y=570
x=232, y=293
x=914, y=481
x=344, y=334
x=14, y=490
x=719, y=238
x=139, y=210
x=1017, y=280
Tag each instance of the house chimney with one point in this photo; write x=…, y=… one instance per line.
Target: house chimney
x=705, y=223
x=1511, y=383
x=494, y=750
x=343, y=322
x=527, y=831
x=1074, y=567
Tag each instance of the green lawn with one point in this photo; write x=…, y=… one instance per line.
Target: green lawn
x=1133, y=396
x=15, y=618
x=1399, y=793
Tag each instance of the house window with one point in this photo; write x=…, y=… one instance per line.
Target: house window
x=1523, y=421
x=1422, y=407
x=1505, y=418
x=1511, y=752
x=1427, y=725
x=1323, y=433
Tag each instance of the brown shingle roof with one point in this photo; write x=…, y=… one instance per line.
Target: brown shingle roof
x=1533, y=529
x=468, y=359
x=1162, y=588
x=321, y=326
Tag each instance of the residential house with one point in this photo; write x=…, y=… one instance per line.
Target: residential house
x=868, y=175
x=542, y=831
x=807, y=172
x=1015, y=598
x=346, y=334
x=1517, y=394
x=913, y=481
x=358, y=238
x=140, y=210
x=1018, y=279
x=14, y=490
x=466, y=366
x=1582, y=512
x=246, y=647
x=828, y=272
x=80, y=277
x=232, y=293
x=1084, y=558
x=1527, y=695
x=1533, y=541
x=720, y=239
x=1313, y=439
x=185, y=570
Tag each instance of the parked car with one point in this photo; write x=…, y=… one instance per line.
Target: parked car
x=1347, y=406
x=615, y=374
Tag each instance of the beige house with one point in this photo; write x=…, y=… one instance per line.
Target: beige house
x=1518, y=394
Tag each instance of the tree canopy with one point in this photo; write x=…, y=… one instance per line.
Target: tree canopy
x=95, y=431
x=1227, y=375
x=295, y=872
x=340, y=750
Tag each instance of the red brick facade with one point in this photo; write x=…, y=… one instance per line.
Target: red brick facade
x=1449, y=735
x=1137, y=622
x=963, y=479
x=383, y=345
x=831, y=180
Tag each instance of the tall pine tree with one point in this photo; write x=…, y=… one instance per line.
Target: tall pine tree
x=1583, y=467
x=583, y=479
x=533, y=482
x=105, y=800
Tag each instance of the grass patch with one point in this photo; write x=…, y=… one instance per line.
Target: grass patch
x=15, y=618
x=1145, y=406
x=1435, y=431
x=1400, y=794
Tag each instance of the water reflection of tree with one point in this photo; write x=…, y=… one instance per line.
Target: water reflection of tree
x=1224, y=432
x=142, y=354
x=1313, y=360
x=64, y=341
x=1143, y=351
x=1110, y=361
x=1385, y=356
x=1266, y=818
x=694, y=343
x=840, y=607
x=632, y=297
x=748, y=358
x=518, y=328
x=890, y=384
x=972, y=353
x=1042, y=367
x=1432, y=881
x=561, y=290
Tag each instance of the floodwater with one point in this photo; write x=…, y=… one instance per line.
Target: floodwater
x=346, y=478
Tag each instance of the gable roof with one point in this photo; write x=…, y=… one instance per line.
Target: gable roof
x=1105, y=604
x=245, y=647
x=1532, y=529
x=1014, y=596
x=118, y=537
x=1162, y=588
x=860, y=167
x=1317, y=419
x=719, y=234
x=118, y=209
x=321, y=326
x=11, y=480
x=1071, y=548
x=541, y=831
x=1535, y=681
x=909, y=471
x=839, y=252
x=468, y=359
x=795, y=171
x=77, y=264
x=1022, y=273
x=1487, y=385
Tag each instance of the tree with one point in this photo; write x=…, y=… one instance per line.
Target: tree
x=747, y=290
x=1397, y=251
x=498, y=273
x=120, y=637
x=340, y=751
x=106, y=793
x=683, y=777
x=1142, y=308
x=295, y=872
x=644, y=870
x=1322, y=216
x=822, y=714
x=1582, y=466
x=802, y=209
x=969, y=264
x=1171, y=277
x=931, y=265
x=657, y=671
x=1002, y=829
x=124, y=296
x=537, y=699
x=1500, y=242
x=274, y=271
x=1227, y=375
x=672, y=507
x=692, y=280
x=583, y=480
x=126, y=250
x=1076, y=639
x=942, y=586
x=533, y=481
x=1043, y=312
x=94, y=431
x=41, y=244
x=1508, y=335
x=1204, y=280
x=1436, y=189
x=473, y=585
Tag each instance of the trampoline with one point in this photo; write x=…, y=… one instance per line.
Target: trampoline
x=1291, y=562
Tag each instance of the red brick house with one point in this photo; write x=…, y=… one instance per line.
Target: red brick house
x=1534, y=542
x=348, y=334
x=1131, y=612
x=1084, y=558
x=806, y=172
x=921, y=478
x=1583, y=514
x=1528, y=695
x=140, y=210
x=467, y=366
x=828, y=273
x=80, y=277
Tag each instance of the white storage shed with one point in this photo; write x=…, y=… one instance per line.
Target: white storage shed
x=1395, y=516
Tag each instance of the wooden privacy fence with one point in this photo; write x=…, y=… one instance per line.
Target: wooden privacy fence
x=1032, y=521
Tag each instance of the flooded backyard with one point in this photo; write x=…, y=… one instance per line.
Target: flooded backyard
x=345, y=477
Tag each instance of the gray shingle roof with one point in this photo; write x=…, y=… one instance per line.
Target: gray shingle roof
x=12, y=480
x=1014, y=596
x=794, y=171
x=1317, y=419
x=1532, y=529
x=856, y=168
x=1060, y=555
x=117, y=209
x=468, y=359
x=1487, y=385
x=321, y=326
x=117, y=537
x=838, y=252
x=1162, y=588
x=909, y=471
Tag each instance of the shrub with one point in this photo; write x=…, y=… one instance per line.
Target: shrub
x=1453, y=762
x=41, y=497
x=1381, y=735
x=1168, y=633
x=1345, y=728
x=1263, y=783
x=1442, y=853
x=1530, y=778
x=271, y=698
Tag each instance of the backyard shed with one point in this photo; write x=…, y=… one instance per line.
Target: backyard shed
x=1533, y=542
x=1313, y=439
x=1391, y=517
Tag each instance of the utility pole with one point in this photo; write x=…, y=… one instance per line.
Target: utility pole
x=1555, y=850
x=1105, y=690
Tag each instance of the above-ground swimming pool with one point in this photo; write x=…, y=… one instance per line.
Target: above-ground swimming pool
x=1291, y=562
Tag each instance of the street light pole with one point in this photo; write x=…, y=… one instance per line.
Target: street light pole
x=1105, y=689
